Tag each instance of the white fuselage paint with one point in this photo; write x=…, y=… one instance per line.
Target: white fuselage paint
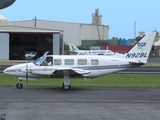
x=105, y=65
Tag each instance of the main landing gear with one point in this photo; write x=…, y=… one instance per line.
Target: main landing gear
x=66, y=84
x=66, y=87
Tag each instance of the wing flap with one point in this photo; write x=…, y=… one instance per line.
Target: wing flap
x=81, y=71
x=71, y=71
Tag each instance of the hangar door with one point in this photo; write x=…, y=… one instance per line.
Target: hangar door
x=22, y=43
x=4, y=46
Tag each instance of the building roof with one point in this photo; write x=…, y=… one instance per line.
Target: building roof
x=2, y=18
x=23, y=29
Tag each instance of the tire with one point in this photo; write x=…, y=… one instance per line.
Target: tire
x=66, y=87
x=19, y=86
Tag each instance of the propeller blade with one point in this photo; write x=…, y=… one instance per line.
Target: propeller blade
x=26, y=77
x=27, y=72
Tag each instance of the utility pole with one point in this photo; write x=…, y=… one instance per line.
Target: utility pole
x=35, y=22
x=134, y=29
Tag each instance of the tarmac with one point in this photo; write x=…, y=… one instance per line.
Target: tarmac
x=80, y=103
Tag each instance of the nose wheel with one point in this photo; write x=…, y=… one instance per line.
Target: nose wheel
x=19, y=86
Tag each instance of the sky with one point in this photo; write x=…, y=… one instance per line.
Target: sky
x=119, y=15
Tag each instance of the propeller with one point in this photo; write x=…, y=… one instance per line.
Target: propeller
x=27, y=72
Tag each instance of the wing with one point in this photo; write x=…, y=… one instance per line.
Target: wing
x=50, y=70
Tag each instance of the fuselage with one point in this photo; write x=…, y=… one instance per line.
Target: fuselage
x=96, y=65
x=94, y=52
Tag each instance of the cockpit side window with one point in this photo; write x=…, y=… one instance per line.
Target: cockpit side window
x=47, y=62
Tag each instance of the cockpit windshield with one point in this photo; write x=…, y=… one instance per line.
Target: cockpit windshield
x=39, y=60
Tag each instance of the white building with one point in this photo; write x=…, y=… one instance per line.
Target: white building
x=41, y=34
x=72, y=32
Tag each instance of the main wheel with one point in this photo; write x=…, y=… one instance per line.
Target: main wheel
x=19, y=86
x=66, y=87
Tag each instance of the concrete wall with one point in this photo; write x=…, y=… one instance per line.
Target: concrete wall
x=4, y=46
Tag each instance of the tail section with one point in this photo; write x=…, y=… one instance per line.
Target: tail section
x=72, y=47
x=141, y=50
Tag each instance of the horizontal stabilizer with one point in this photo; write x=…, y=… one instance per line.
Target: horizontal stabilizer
x=136, y=63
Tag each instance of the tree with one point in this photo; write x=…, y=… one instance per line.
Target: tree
x=66, y=49
x=83, y=47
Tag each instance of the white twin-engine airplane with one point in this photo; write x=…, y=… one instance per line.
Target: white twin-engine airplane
x=75, y=51
x=92, y=66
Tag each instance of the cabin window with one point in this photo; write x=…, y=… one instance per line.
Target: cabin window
x=82, y=54
x=69, y=61
x=94, y=62
x=82, y=61
x=57, y=61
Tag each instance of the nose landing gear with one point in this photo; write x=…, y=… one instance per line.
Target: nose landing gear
x=19, y=86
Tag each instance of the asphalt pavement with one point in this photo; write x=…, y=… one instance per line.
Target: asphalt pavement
x=80, y=103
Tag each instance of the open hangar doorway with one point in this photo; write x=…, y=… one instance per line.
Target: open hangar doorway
x=23, y=43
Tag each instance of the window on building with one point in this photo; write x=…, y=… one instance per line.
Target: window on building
x=57, y=61
x=82, y=61
x=69, y=61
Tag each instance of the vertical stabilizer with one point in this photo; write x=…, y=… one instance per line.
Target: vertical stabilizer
x=141, y=50
x=72, y=47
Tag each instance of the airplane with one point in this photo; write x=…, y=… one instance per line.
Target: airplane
x=75, y=51
x=84, y=66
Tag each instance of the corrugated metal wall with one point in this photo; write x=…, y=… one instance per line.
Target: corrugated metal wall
x=72, y=32
x=93, y=32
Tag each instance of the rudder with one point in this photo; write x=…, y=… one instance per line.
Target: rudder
x=141, y=50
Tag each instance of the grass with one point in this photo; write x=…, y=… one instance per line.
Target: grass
x=152, y=65
x=111, y=80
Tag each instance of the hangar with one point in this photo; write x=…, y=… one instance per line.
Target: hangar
x=17, y=40
x=18, y=37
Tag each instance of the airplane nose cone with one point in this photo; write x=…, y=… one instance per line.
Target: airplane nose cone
x=18, y=69
x=6, y=71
